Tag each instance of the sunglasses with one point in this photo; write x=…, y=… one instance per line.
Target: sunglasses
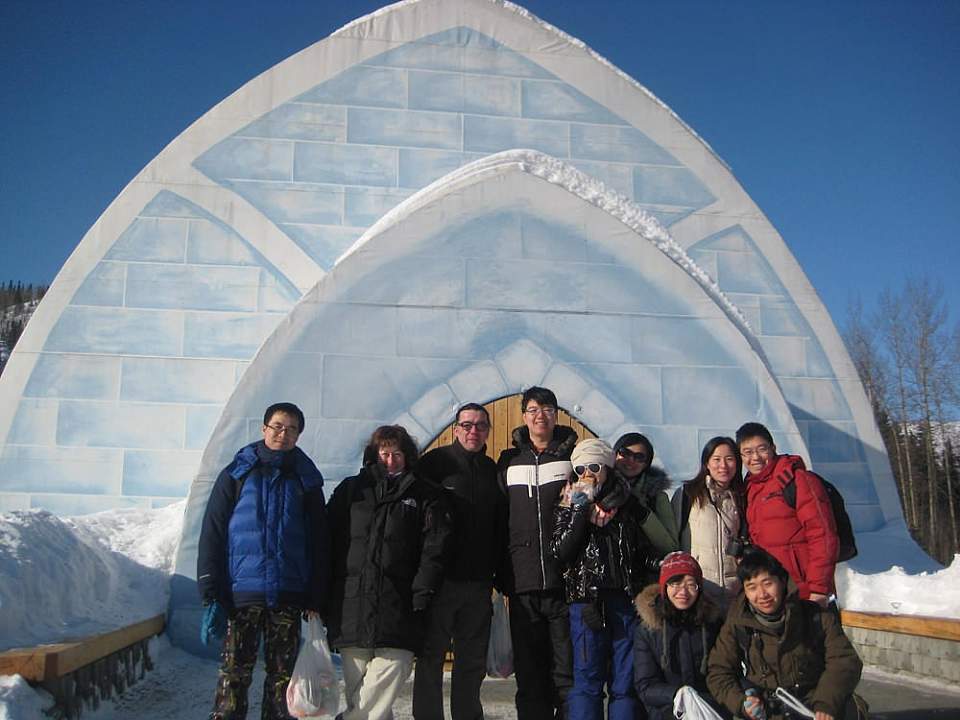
x=631, y=455
x=592, y=467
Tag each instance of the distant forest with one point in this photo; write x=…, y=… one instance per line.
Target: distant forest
x=17, y=303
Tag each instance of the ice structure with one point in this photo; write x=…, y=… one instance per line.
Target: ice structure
x=119, y=383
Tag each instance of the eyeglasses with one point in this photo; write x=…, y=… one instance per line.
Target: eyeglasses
x=759, y=451
x=631, y=455
x=468, y=426
x=688, y=585
x=592, y=467
x=279, y=429
x=545, y=411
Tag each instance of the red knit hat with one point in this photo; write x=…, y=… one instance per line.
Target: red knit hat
x=678, y=563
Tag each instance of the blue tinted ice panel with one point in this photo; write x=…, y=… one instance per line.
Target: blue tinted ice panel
x=248, y=159
x=116, y=331
x=702, y=396
x=120, y=425
x=854, y=480
x=614, y=288
x=493, y=134
x=299, y=121
x=670, y=186
x=491, y=234
x=491, y=95
x=364, y=206
x=158, y=472
x=746, y=273
x=616, y=177
x=151, y=240
x=637, y=389
x=780, y=316
x=168, y=204
x=435, y=91
x=346, y=164
x=369, y=388
x=275, y=294
x=74, y=376
x=35, y=422
x=419, y=168
x=558, y=101
x=211, y=244
x=40, y=470
x=545, y=240
x=323, y=243
x=526, y=284
x=460, y=49
x=225, y=335
x=176, y=380
x=815, y=398
x=440, y=282
x=618, y=144
x=609, y=337
x=407, y=128
x=192, y=287
x=834, y=442
x=681, y=341
x=103, y=286
x=201, y=420
x=362, y=85
x=294, y=202
x=355, y=329
x=447, y=332
x=787, y=355
x=733, y=239
x=64, y=505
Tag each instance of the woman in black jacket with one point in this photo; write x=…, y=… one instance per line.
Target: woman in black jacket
x=678, y=626
x=391, y=535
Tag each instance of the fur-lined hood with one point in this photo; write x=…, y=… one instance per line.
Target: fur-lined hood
x=654, y=480
x=650, y=611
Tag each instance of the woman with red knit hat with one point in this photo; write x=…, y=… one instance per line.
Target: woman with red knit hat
x=678, y=626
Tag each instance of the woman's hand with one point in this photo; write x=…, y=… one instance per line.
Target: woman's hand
x=821, y=715
x=600, y=517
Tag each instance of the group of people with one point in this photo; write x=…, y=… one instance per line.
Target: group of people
x=619, y=595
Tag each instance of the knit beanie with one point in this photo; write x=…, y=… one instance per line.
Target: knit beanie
x=634, y=438
x=592, y=450
x=679, y=563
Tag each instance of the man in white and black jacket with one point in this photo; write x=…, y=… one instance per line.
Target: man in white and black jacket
x=461, y=610
x=534, y=472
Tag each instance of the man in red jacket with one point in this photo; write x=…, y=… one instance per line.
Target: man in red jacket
x=804, y=537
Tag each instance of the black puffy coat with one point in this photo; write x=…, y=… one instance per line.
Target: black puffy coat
x=391, y=540
x=667, y=656
x=479, y=508
x=533, y=482
x=593, y=557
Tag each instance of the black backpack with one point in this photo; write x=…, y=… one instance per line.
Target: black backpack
x=847, y=542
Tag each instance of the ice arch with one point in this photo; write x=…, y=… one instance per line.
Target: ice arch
x=114, y=389
x=515, y=270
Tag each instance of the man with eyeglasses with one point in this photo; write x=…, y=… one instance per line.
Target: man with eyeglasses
x=461, y=609
x=534, y=473
x=264, y=559
x=802, y=537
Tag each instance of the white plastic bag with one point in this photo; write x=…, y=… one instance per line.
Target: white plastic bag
x=500, y=646
x=314, y=690
x=688, y=704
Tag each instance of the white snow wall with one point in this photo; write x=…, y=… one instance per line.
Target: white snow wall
x=119, y=380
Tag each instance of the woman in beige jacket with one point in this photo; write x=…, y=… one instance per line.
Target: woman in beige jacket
x=709, y=511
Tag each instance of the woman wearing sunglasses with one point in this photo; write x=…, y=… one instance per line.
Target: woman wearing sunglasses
x=678, y=627
x=649, y=485
x=596, y=538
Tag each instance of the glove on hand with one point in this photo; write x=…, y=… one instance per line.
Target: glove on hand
x=579, y=498
x=214, y=623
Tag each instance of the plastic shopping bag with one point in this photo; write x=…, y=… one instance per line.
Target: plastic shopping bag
x=500, y=646
x=688, y=704
x=314, y=690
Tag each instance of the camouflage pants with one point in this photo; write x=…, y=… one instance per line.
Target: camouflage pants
x=281, y=639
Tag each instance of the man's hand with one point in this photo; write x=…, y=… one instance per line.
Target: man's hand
x=820, y=600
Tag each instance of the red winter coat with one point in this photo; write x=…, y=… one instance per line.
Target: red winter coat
x=804, y=539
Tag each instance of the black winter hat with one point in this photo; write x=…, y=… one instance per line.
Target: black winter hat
x=634, y=438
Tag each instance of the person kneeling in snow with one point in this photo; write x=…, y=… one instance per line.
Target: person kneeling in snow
x=678, y=625
x=783, y=642
x=264, y=559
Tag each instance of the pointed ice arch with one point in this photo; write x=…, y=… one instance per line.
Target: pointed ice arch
x=298, y=164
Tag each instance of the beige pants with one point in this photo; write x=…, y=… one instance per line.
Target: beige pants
x=373, y=678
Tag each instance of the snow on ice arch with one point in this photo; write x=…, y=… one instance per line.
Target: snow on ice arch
x=512, y=271
x=117, y=383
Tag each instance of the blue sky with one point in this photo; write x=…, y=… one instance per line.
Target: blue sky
x=839, y=119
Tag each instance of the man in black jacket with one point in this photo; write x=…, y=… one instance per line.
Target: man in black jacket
x=461, y=609
x=534, y=472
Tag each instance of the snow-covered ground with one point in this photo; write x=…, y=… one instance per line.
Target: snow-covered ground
x=70, y=577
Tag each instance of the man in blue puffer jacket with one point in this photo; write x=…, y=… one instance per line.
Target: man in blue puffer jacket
x=263, y=560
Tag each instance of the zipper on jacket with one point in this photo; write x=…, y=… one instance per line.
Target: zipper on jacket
x=543, y=565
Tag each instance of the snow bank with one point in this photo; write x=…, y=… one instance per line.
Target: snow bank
x=19, y=701
x=68, y=577
x=930, y=594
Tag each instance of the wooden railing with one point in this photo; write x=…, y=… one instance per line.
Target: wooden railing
x=930, y=627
